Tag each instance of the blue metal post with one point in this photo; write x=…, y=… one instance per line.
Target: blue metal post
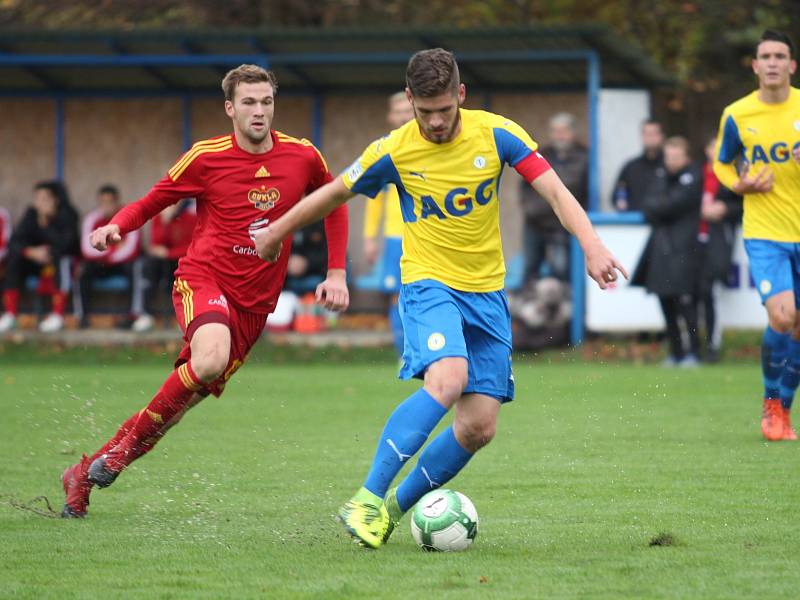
x=187, y=122
x=593, y=94
x=577, y=275
x=59, y=109
x=317, y=108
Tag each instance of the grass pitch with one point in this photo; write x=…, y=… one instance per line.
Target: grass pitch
x=605, y=481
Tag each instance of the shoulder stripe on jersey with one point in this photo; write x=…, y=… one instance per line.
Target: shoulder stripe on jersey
x=199, y=146
x=176, y=171
x=304, y=142
x=731, y=144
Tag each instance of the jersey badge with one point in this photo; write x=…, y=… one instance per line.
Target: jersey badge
x=263, y=198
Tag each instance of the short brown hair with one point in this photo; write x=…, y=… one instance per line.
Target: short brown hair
x=432, y=72
x=678, y=141
x=247, y=74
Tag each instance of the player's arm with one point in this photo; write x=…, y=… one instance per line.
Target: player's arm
x=729, y=147
x=183, y=180
x=311, y=208
x=601, y=265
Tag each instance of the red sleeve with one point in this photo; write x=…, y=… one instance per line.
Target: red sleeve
x=710, y=181
x=532, y=166
x=319, y=174
x=336, y=230
x=167, y=191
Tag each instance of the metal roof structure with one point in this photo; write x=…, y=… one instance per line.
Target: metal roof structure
x=163, y=61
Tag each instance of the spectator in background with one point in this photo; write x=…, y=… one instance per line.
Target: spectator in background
x=669, y=266
x=638, y=174
x=545, y=240
x=170, y=236
x=116, y=260
x=386, y=206
x=308, y=262
x=44, y=243
x=5, y=235
x=720, y=213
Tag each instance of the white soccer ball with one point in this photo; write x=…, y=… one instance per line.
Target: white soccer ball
x=444, y=521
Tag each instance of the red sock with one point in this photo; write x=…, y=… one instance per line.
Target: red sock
x=59, y=302
x=11, y=301
x=170, y=400
x=121, y=433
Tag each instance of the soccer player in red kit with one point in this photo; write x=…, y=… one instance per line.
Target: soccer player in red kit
x=223, y=292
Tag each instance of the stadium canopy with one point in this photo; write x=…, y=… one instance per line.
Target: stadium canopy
x=165, y=61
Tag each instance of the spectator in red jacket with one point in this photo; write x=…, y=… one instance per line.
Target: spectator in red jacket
x=170, y=237
x=116, y=260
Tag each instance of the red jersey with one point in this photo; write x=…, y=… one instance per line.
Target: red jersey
x=234, y=189
x=175, y=233
x=5, y=232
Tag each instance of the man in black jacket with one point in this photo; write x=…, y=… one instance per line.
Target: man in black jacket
x=544, y=239
x=43, y=243
x=670, y=262
x=638, y=174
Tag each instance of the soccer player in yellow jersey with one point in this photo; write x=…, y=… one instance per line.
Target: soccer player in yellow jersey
x=386, y=205
x=763, y=130
x=446, y=164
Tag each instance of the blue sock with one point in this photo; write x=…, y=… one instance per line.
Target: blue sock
x=397, y=328
x=439, y=463
x=774, y=348
x=791, y=375
x=406, y=430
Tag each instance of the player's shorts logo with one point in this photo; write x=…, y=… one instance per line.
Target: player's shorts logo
x=479, y=162
x=765, y=286
x=264, y=199
x=436, y=342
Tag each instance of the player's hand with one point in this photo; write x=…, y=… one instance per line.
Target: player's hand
x=370, y=250
x=332, y=293
x=758, y=183
x=104, y=236
x=602, y=266
x=714, y=211
x=268, y=245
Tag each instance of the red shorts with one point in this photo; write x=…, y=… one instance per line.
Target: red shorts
x=198, y=301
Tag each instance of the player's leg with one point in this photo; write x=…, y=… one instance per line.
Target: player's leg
x=771, y=269
x=487, y=332
x=17, y=269
x=473, y=427
x=435, y=350
x=791, y=372
x=210, y=351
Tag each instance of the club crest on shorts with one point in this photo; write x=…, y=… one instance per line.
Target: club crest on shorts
x=263, y=198
x=765, y=286
x=436, y=341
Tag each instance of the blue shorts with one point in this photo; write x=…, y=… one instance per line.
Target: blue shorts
x=392, y=252
x=439, y=321
x=775, y=267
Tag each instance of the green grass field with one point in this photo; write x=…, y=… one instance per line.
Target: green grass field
x=591, y=463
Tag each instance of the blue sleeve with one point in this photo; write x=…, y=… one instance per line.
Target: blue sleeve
x=375, y=177
x=510, y=148
x=731, y=145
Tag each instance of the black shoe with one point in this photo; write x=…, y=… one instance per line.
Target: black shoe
x=712, y=356
x=100, y=475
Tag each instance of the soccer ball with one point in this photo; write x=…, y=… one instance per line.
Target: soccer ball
x=444, y=520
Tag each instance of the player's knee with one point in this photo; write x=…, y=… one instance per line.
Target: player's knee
x=446, y=389
x=783, y=321
x=210, y=363
x=474, y=434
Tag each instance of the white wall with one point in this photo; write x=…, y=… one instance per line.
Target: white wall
x=620, y=113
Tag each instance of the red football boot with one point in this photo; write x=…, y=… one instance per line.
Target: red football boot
x=772, y=419
x=77, y=488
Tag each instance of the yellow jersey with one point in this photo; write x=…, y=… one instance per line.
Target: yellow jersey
x=387, y=205
x=448, y=195
x=764, y=135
